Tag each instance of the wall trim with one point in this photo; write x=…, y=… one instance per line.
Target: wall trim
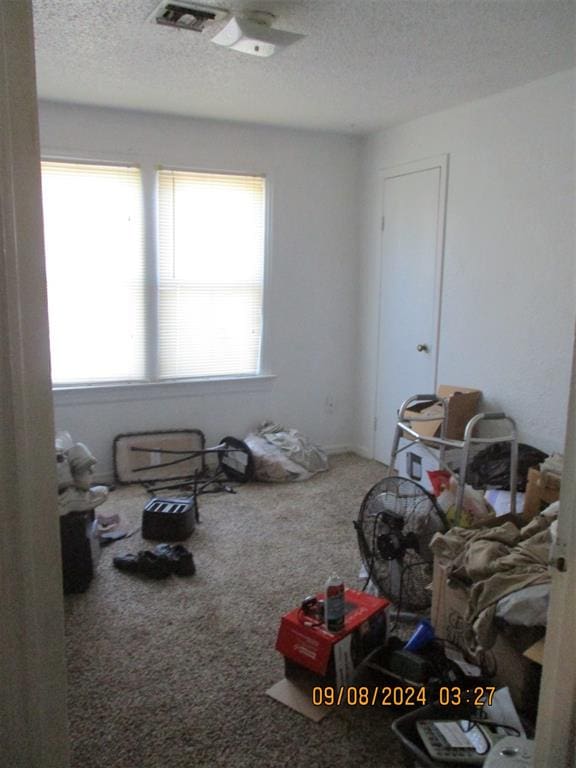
x=161, y=390
x=335, y=450
x=555, y=725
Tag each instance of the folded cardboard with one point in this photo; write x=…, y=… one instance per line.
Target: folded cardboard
x=542, y=489
x=513, y=669
x=461, y=405
x=536, y=652
x=299, y=699
x=519, y=519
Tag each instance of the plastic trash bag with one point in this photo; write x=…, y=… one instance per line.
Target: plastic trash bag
x=284, y=455
x=474, y=507
x=491, y=467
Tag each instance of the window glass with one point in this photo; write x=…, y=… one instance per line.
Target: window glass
x=211, y=266
x=194, y=311
x=94, y=244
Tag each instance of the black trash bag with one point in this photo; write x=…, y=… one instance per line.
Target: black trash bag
x=491, y=467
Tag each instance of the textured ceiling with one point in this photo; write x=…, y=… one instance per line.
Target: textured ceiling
x=364, y=64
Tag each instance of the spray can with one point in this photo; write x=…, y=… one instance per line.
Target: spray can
x=334, y=604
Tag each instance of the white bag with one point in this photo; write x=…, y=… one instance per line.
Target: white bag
x=284, y=455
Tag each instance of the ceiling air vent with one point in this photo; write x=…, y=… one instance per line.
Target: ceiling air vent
x=183, y=15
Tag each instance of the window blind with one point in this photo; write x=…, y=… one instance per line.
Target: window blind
x=94, y=243
x=211, y=268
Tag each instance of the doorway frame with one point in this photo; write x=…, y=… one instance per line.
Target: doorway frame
x=403, y=169
x=33, y=706
x=42, y=725
x=556, y=720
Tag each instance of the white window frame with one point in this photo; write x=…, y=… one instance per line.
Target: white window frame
x=152, y=387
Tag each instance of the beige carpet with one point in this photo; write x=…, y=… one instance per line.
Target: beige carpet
x=173, y=673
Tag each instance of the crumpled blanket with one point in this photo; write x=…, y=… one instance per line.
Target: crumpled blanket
x=494, y=562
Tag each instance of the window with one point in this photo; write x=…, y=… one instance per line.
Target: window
x=211, y=267
x=94, y=242
x=190, y=308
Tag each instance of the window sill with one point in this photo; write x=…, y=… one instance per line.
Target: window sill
x=119, y=393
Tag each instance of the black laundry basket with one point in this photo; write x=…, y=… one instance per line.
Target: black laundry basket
x=415, y=753
x=75, y=538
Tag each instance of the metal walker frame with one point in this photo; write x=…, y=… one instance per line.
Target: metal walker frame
x=403, y=426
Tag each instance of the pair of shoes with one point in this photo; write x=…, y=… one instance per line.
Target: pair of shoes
x=146, y=563
x=179, y=558
x=162, y=561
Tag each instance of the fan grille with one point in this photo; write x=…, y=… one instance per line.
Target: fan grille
x=396, y=521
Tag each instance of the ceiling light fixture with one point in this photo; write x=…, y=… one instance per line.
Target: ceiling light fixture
x=253, y=34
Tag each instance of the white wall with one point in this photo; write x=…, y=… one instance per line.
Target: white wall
x=509, y=294
x=311, y=273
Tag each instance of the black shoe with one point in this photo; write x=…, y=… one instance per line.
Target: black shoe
x=178, y=558
x=145, y=562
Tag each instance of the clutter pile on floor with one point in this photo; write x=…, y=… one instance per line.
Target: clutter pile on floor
x=468, y=659
x=408, y=537
x=173, y=460
x=501, y=566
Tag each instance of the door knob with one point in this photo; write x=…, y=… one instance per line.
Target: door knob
x=422, y=347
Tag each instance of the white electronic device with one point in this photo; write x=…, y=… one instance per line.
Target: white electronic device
x=460, y=741
x=254, y=34
x=511, y=752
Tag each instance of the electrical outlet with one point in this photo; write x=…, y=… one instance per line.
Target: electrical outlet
x=329, y=404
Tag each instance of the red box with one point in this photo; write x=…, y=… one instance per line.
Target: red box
x=334, y=655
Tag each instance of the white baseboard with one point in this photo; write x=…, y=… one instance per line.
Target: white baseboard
x=359, y=450
x=362, y=451
x=332, y=450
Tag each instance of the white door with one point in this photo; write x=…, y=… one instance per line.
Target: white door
x=411, y=271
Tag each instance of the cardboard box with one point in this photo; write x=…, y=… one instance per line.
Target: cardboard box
x=416, y=461
x=536, y=652
x=520, y=519
x=330, y=657
x=542, y=489
x=512, y=668
x=462, y=404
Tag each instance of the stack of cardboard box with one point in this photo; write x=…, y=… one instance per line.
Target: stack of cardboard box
x=512, y=668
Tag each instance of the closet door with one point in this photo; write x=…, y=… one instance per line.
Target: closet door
x=413, y=211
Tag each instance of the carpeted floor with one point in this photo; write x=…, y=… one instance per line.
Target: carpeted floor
x=173, y=674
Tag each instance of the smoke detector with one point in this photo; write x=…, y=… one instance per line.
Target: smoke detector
x=254, y=34
x=186, y=15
